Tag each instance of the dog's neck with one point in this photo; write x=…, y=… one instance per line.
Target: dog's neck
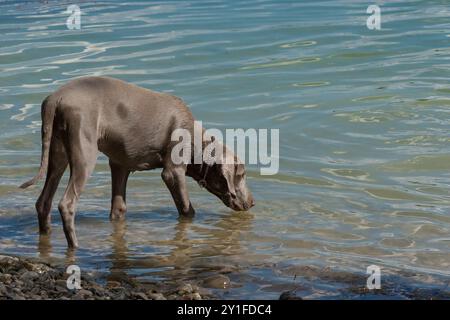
x=196, y=171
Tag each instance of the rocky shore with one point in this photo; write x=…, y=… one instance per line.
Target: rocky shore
x=24, y=278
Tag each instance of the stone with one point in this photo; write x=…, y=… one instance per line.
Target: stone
x=217, y=282
x=289, y=295
x=98, y=291
x=113, y=284
x=61, y=283
x=184, y=289
x=139, y=295
x=61, y=289
x=29, y=275
x=8, y=259
x=196, y=296
x=84, y=292
x=156, y=296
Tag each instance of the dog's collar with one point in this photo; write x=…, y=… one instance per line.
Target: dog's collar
x=202, y=182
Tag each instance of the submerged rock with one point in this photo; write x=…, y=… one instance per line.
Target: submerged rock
x=289, y=295
x=217, y=282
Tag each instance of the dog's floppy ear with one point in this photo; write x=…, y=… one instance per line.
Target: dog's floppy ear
x=239, y=169
x=229, y=177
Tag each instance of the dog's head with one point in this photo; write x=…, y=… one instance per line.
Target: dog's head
x=227, y=180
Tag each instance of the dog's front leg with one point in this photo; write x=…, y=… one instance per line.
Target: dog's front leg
x=175, y=179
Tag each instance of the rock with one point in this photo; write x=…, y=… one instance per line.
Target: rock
x=22, y=278
x=61, y=289
x=35, y=291
x=156, y=296
x=85, y=293
x=18, y=283
x=139, y=295
x=217, y=282
x=184, y=289
x=204, y=292
x=119, y=296
x=18, y=297
x=5, y=278
x=196, y=296
x=289, y=295
x=22, y=270
x=29, y=276
x=98, y=291
x=113, y=284
x=61, y=283
x=8, y=259
x=17, y=290
x=2, y=289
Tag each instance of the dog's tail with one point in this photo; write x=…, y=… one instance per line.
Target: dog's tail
x=48, y=109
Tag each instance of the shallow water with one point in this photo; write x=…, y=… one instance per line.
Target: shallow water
x=364, y=140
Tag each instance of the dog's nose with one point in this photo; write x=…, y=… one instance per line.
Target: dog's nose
x=248, y=205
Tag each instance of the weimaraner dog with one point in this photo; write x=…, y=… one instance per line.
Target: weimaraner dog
x=132, y=126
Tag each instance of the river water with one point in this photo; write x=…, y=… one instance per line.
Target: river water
x=364, y=140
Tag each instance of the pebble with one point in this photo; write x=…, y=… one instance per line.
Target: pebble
x=139, y=295
x=113, y=284
x=183, y=289
x=196, y=296
x=61, y=289
x=61, y=283
x=289, y=295
x=84, y=292
x=29, y=275
x=217, y=282
x=156, y=296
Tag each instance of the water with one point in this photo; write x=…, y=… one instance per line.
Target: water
x=364, y=140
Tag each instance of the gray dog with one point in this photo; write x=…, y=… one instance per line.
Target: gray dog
x=133, y=127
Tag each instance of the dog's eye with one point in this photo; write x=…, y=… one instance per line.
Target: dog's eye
x=239, y=170
x=240, y=176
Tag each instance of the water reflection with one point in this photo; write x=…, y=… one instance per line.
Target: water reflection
x=195, y=247
x=44, y=247
x=190, y=248
x=120, y=252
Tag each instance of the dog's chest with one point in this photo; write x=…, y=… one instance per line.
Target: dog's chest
x=134, y=159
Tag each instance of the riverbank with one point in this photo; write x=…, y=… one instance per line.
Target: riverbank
x=25, y=278
x=29, y=278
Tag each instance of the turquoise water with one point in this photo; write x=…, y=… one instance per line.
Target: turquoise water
x=364, y=139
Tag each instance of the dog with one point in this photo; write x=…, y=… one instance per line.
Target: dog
x=132, y=126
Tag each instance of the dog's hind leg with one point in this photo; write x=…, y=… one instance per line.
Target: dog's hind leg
x=56, y=166
x=119, y=177
x=82, y=151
